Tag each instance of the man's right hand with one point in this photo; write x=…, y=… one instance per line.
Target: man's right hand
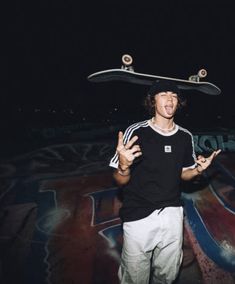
x=127, y=153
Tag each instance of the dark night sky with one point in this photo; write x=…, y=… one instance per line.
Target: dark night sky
x=50, y=49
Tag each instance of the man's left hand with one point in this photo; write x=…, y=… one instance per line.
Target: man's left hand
x=203, y=163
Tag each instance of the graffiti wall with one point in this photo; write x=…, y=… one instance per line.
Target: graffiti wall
x=59, y=214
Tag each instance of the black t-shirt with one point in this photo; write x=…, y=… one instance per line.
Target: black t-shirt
x=155, y=176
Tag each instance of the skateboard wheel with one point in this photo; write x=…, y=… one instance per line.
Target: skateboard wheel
x=202, y=73
x=127, y=60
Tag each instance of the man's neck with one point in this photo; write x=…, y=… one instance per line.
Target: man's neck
x=163, y=123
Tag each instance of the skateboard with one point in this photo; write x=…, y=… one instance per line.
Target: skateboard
x=127, y=74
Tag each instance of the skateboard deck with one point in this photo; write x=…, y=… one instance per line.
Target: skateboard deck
x=127, y=74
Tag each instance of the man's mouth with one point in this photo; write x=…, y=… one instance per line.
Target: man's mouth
x=169, y=109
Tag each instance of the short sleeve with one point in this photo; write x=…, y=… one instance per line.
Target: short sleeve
x=189, y=154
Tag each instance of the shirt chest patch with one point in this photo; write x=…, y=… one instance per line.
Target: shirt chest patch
x=167, y=149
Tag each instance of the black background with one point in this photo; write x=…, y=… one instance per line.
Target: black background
x=51, y=47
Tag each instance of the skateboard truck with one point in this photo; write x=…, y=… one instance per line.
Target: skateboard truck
x=127, y=61
x=202, y=73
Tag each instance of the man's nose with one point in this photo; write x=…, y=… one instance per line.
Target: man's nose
x=169, y=97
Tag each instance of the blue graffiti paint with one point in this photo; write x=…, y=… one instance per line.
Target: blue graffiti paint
x=102, y=205
x=212, y=249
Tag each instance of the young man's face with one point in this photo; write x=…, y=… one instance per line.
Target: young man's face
x=166, y=104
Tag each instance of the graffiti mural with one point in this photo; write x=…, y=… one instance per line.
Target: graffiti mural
x=59, y=215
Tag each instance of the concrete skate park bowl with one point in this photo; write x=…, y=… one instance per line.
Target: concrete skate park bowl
x=59, y=212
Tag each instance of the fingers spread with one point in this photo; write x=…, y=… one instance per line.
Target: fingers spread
x=120, y=145
x=120, y=139
x=137, y=154
x=134, y=149
x=131, y=142
x=214, y=154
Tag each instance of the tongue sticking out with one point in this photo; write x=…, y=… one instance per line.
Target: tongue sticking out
x=169, y=110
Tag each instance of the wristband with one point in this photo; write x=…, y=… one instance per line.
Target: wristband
x=122, y=173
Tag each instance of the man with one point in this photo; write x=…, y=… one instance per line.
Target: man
x=151, y=158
